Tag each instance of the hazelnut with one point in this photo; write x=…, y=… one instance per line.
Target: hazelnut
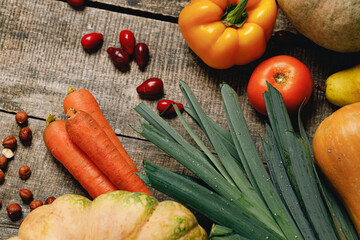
x=35, y=204
x=9, y=142
x=24, y=172
x=8, y=153
x=26, y=195
x=21, y=117
x=2, y=176
x=50, y=200
x=14, y=211
x=25, y=135
x=3, y=162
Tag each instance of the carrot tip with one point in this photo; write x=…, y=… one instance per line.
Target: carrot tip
x=50, y=119
x=70, y=112
x=71, y=89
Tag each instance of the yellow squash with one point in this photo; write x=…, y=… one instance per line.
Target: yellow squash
x=117, y=215
x=336, y=147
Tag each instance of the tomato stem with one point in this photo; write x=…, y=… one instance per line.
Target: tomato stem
x=280, y=78
x=235, y=15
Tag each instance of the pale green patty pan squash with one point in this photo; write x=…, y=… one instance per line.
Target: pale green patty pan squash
x=117, y=215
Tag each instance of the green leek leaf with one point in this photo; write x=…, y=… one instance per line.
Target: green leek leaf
x=227, y=160
x=219, y=232
x=341, y=220
x=202, y=146
x=203, y=170
x=223, y=134
x=296, y=156
x=253, y=164
x=210, y=204
x=280, y=177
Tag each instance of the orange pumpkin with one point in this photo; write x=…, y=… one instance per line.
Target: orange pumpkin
x=336, y=147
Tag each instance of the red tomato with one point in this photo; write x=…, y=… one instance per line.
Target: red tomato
x=288, y=75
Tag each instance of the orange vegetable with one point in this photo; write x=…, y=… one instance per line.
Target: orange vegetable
x=222, y=35
x=87, y=134
x=83, y=100
x=337, y=153
x=79, y=165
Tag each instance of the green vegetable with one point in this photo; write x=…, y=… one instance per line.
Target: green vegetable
x=287, y=204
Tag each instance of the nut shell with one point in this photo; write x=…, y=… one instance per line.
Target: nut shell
x=8, y=153
x=3, y=162
x=26, y=195
x=35, y=204
x=50, y=200
x=21, y=117
x=24, y=172
x=25, y=135
x=14, y=211
x=9, y=142
x=2, y=176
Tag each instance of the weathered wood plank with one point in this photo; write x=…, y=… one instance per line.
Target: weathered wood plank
x=41, y=57
x=170, y=9
x=50, y=178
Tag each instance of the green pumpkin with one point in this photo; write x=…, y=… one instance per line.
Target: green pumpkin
x=117, y=215
x=332, y=24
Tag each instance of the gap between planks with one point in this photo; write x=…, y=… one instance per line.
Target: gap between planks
x=129, y=11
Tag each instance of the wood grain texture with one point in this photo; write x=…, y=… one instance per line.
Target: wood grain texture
x=41, y=56
x=170, y=8
x=50, y=178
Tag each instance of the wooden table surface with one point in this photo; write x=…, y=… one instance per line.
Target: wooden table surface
x=41, y=56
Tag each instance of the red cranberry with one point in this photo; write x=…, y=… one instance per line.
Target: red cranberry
x=151, y=88
x=127, y=41
x=76, y=3
x=142, y=55
x=162, y=105
x=91, y=40
x=119, y=57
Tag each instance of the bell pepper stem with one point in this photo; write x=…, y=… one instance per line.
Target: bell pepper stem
x=235, y=15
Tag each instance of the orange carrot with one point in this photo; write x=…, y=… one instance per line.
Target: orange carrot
x=87, y=134
x=83, y=100
x=58, y=141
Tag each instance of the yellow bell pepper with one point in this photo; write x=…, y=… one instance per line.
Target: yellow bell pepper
x=224, y=33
